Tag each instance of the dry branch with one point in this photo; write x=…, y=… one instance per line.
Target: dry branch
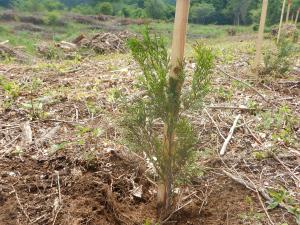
x=26, y=133
x=214, y=122
x=4, y=42
x=224, y=147
x=20, y=204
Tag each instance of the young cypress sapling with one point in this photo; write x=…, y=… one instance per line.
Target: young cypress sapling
x=154, y=124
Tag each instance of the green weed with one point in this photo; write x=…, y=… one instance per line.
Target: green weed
x=34, y=105
x=225, y=94
x=252, y=216
x=11, y=90
x=283, y=196
x=281, y=123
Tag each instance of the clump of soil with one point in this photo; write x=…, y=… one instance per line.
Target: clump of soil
x=108, y=189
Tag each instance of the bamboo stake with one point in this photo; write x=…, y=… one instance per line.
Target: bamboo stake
x=177, y=57
x=281, y=19
x=179, y=35
x=297, y=16
x=261, y=33
x=288, y=11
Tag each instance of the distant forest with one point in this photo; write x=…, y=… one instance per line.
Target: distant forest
x=236, y=12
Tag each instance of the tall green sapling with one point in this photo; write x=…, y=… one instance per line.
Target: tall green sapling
x=155, y=124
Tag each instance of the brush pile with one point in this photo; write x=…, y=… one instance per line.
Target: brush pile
x=8, y=52
x=103, y=43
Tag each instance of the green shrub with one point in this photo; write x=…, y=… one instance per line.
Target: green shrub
x=29, y=5
x=53, y=5
x=282, y=123
x=11, y=91
x=10, y=88
x=106, y=8
x=278, y=62
x=155, y=9
x=296, y=36
x=52, y=18
x=83, y=9
x=139, y=13
x=126, y=11
x=255, y=27
x=163, y=103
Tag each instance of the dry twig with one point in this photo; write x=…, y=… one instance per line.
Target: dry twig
x=214, y=122
x=20, y=205
x=224, y=147
x=171, y=214
x=26, y=132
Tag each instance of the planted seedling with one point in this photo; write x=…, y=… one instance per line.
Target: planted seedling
x=279, y=62
x=34, y=105
x=155, y=124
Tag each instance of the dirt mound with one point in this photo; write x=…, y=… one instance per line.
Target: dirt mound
x=109, y=189
x=8, y=15
x=128, y=21
x=8, y=52
x=37, y=20
x=103, y=17
x=91, y=20
x=28, y=27
x=104, y=43
x=287, y=29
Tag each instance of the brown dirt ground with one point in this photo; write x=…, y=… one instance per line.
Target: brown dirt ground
x=90, y=195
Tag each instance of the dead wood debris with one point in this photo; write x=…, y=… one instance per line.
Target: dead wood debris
x=104, y=43
x=26, y=132
x=100, y=43
x=224, y=147
x=7, y=52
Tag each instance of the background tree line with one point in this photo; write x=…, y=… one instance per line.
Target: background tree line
x=237, y=12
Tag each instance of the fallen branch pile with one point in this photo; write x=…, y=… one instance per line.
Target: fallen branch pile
x=7, y=52
x=105, y=42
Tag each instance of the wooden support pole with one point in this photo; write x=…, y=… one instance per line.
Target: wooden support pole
x=281, y=19
x=179, y=35
x=297, y=16
x=288, y=11
x=261, y=33
x=177, y=57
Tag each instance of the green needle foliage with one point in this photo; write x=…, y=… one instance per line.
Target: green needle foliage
x=155, y=120
x=278, y=63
